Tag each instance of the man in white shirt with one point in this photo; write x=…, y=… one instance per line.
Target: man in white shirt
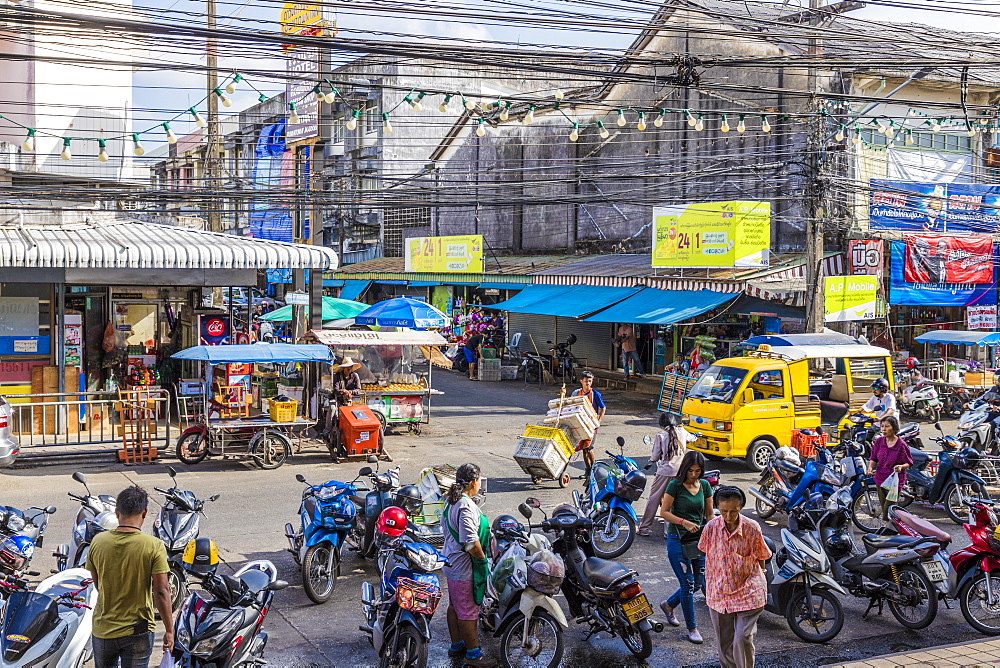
x=882, y=403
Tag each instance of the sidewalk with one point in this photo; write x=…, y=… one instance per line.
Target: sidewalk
x=967, y=654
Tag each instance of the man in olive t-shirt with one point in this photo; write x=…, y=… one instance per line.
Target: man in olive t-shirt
x=130, y=570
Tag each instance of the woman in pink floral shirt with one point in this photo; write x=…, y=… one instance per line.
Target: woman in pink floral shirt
x=735, y=585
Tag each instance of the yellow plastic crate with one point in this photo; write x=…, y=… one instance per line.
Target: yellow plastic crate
x=283, y=411
x=552, y=433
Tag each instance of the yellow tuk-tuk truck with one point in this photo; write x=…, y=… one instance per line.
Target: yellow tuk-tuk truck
x=749, y=406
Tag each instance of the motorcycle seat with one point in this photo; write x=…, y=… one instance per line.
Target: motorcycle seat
x=923, y=527
x=792, y=468
x=358, y=500
x=920, y=458
x=878, y=542
x=255, y=580
x=603, y=573
x=909, y=429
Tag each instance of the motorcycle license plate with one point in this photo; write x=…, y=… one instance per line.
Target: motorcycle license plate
x=934, y=570
x=637, y=609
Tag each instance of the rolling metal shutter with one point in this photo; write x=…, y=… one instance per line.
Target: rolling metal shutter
x=593, y=340
x=541, y=327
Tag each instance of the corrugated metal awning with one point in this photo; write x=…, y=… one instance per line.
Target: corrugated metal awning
x=136, y=245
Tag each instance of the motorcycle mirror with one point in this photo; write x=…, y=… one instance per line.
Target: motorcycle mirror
x=525, y=511
x=620, y=441
x=80, y=478
x=300, y=477
x=647, y=439
x=214, y=497
x=277, y=585
x=372, y=459
x=937, y=425
x=171, y=472
x=51, y=510
x=533, y=502
x=365, y=470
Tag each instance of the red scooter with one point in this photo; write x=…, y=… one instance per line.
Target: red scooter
x=975, y=576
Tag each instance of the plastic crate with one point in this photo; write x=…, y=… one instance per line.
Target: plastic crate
x=539, y=457
x=283, y=411
x=489, y=363
x=508, y=372
x=557, y=435
x=489, y=374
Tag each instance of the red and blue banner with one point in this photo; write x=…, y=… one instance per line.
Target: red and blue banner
x=937, y=294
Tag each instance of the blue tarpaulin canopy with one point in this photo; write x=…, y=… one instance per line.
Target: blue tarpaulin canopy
x=258, y=353
x=353, y=288
x=652, y=306
x=502, y=286
x=567, y=301
x=957, y=338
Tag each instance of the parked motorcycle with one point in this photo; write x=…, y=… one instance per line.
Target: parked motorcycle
x=784, y=485
x=801, y=588
x=96, y=514
x=20, y=533
x=896, y=570
x=921, y=400
x=326, y=516
x=611, y=491
x=533, y=366
x=951, y=483
x=908, y=524
x=178, y=523
x=977, y=426
x=219, y=626
x=954, y=401
x=974, y=574
x=519, y=607
x=398, y=616
x=601, y=593
x=51, y=626
x=563, y=361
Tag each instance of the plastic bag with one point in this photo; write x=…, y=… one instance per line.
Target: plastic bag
x=891, y=485
x=546, y=571
x=167, y=661
x=108, y=344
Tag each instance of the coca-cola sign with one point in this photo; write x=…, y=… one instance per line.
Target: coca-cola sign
x=215, y=330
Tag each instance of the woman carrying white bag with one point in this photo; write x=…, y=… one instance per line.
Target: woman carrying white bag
x=890, y=459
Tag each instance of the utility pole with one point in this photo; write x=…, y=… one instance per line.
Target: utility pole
x=814, y=222
x=213, y=172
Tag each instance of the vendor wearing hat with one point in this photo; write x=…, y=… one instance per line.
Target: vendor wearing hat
x=346, y=381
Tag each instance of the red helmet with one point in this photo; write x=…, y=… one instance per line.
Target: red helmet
x=912, y=362
x=392, y=522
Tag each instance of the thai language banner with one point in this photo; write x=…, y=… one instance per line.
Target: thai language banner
x=712, y=234
x=456, y=254
x=847, y=298
x=933, y=259
x=934, y=207
x=866, y=256
x=938, y=294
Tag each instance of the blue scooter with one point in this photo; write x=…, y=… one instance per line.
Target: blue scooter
x=611, y=490
x=784, y=486
x=326, y=514
x=398, y=616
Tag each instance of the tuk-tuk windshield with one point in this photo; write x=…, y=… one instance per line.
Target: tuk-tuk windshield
x=718, y=383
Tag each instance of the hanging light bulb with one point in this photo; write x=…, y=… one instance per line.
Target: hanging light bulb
x=641, y=124
x=742, y=125
x=416, y=103
x=658, y=121
x=171, y=137
x=603, y=130
x=320, y=95
x=575, y=132
x=386, y=125
x=102, y=155
x=764, y=125
x=443, y=107
x=293, y=116
x=840, y=133
x=857, y=137
x=231, y=86
x=558, y=94
x=909, y=137
x=725, y=124
x=621, y=118
x=29, y=141
x=352, y=123
x=468, y=104
x=889, y=130
x=936, y=125
x=480, y=130
x=198, y=120
x=692, y=121
x=330, y=97
x=699, y=124
x=505, y=113
x=226, y=102
x=971, y=131
x=66, y=153
x=530, y=116
x=137, y=148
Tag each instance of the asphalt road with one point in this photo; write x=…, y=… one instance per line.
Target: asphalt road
x=476, y=422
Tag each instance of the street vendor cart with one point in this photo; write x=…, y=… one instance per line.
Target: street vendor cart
x=396, y=377
x=223, y=426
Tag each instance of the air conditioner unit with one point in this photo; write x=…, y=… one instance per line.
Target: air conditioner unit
x=335, y=150
x=369, y=139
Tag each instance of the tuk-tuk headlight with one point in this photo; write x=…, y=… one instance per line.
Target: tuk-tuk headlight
x=723, y=426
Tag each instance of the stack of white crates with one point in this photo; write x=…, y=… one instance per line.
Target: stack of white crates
x=575, y=414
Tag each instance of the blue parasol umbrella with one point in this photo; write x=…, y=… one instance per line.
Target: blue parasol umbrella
x=402, y=312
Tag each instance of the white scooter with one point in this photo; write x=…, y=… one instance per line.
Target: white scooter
x=51, y=626
x=921, y=400
x=96, y=514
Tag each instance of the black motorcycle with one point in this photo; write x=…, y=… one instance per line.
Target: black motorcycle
x=601, y=593
x=563, y=361
x=952, y=483
x=223, y=629
x=177, y=525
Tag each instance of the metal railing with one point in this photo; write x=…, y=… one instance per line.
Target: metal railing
x=56, y=422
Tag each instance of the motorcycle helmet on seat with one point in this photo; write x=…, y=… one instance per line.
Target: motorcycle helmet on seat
x=839, y=545
x=201, y=556
x=912, y=362
x=392, y=522
x=409, y=499
x=880, y=384
x=505, y=524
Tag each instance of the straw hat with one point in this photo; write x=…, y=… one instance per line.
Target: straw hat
x=349, y=364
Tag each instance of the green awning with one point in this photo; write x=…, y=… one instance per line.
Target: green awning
x=333, y=309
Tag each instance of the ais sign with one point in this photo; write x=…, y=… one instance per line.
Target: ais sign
x=850, y=298
x=445, y=255
x=712, y=234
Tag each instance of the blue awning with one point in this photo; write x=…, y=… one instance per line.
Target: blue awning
x=353, y=289
x=957, y=338
x=503, y=286
x=566, y=301
x=391, y=282
x=652, y=306
x=259, y=353
x=332, y=283
x=747, y=305
x=423, y=284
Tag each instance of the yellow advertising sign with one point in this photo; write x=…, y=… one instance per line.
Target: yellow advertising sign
x=302, y=18
x=445, y=255
x=712, y=234
x=847, y=298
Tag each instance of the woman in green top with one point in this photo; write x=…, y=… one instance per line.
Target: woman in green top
x=686, y=507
